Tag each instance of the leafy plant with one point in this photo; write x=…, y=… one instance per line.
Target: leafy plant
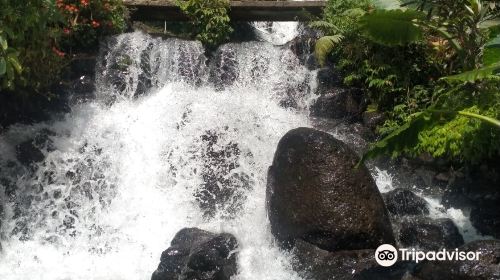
x=87, y=20
x=392, y=27
x=29, y=31
x=324, y=46
x=432, y=66
x=210, y=20
x=9, y=63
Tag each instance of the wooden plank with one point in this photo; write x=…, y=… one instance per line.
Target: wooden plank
x=240, y=10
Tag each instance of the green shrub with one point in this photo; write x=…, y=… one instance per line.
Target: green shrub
x=85, y=21
x=36, y=35
x=209, y=19
x=399, y=56
x=30, y=30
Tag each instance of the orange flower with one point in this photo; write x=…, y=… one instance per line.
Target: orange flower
x=84, y=3
x=95, y=24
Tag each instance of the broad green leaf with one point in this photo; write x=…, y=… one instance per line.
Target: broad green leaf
x=3, y=43
x=489, y=23
x=15, y=63
x=392, y=27
x=483, y=118
x=387, y=4
x=406, y=136
x=475, y=75
x=492, y=51
x=491, y=56
x=403, y=138
x=3, y=66
x=324, y=46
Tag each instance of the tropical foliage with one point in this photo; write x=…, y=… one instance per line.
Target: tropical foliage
x=87, y=20
x=432, y=67
x=37, y=35
x=210, y=20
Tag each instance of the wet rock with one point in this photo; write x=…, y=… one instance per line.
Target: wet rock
x=81, y=65
x=144, y=82
x=486, y=218
x=402, y=202
x=243, y=32
x=327, y=79
x=314, y=193
x=198, y=254
x=223, y=190
x=224, y=70
x=339, y=103
x=311, y=62
x=430, y=234
x=486, y=268
x=302, y=46
x=317, y=264
x=30, y=152
x=373, y=119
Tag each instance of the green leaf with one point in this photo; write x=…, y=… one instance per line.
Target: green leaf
x=3, y=43
x=15, y=63
x=475, y=75
x=492, y=51
x=324, y=46
x=3, y=66
x=387, y=4
x=483, y=118
x=392, y=27
x=489, y=23
x=402, y=139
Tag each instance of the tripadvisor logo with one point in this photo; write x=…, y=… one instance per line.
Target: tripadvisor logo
x=387, y=255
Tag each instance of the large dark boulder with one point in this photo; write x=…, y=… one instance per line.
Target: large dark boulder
x=486, y=268
x=317, y=264
x=401, y=202
x=486, y=218
x=339, y=103
x=198, y=254
x=430, y=234
x=315, y=193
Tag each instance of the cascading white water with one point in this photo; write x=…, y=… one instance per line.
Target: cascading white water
x=121, y=173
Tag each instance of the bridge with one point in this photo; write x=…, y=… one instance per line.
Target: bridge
x=243, y=10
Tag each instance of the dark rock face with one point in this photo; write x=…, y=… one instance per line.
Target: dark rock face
x=327, y=79
x=223, y=190
x=401, y=202
x=198, y=254
x=486, y=218
x=430, y=234
x=486, y=268
x=372, y=119
x=339, y=103
x=224, y=70
x=356, y=264
x=302, y=46
x=315, y=194
x=29, y=152
x=77, y=79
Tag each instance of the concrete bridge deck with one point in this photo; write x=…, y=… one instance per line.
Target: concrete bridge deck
x=243, y=10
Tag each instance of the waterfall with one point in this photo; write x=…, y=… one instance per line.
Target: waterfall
x=170, y=141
